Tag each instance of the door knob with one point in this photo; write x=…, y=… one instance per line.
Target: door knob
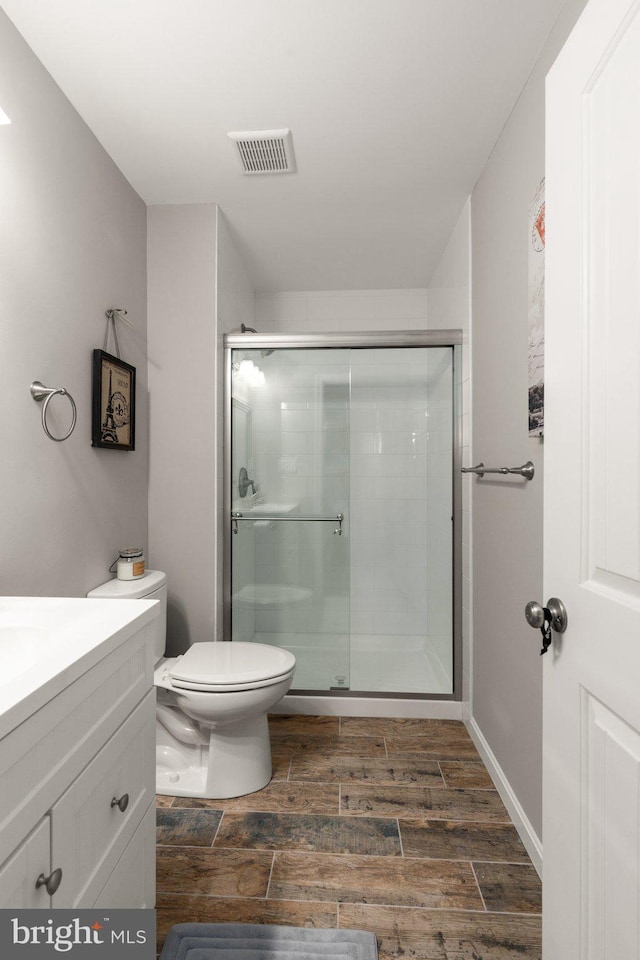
x=546, y=619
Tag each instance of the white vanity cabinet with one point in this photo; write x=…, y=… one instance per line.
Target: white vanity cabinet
x=77, y=788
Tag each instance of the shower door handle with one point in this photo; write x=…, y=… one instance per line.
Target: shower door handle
x=290, y=519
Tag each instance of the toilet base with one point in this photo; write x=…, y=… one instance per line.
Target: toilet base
x=234, y=760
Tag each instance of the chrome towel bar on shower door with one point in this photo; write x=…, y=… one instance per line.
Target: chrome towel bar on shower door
x=262, y=516
x=527, y=470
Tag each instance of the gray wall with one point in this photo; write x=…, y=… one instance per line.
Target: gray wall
x=235, y=305
x=507, y=515
x=182, y=390
x=73, y=245
x=197, y=290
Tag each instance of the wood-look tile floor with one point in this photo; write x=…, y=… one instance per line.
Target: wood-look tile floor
x=387, y=825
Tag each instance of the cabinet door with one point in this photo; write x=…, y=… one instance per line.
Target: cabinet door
x=132, y=885
x=92, y=823
x=18, y=874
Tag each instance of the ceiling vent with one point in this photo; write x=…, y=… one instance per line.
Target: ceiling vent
x=265, y=151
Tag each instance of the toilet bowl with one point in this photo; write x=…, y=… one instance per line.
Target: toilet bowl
x=212, y=734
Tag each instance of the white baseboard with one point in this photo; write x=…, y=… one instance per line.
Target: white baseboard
x=521, y=822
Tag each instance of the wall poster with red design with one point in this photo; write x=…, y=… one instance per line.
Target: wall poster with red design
x=536, y=313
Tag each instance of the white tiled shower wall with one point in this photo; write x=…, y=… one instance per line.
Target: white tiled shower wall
x=400, y=496
x=300, y=442
x=368, y=436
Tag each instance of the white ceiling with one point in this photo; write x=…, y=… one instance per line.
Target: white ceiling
x=394, y=106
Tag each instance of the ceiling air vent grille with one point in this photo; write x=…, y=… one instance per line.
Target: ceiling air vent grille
x=265, y=151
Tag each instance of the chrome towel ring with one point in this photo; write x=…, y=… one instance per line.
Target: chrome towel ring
x=41, y=393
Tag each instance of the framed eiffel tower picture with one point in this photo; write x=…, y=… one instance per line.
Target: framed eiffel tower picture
x=114, y=403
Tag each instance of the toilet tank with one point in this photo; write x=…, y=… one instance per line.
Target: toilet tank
x=151, y=586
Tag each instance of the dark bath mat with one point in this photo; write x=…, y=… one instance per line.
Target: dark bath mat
x=248, y=941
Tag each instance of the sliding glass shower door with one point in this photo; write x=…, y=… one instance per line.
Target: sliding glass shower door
x=342, y=503
x=290, y=570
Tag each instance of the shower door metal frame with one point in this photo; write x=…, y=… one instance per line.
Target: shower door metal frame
x=365, y=340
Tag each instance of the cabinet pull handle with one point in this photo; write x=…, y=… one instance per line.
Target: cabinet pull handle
x=52, y=882
x=122, y=803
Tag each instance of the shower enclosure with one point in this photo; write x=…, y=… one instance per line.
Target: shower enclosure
x=342, y=489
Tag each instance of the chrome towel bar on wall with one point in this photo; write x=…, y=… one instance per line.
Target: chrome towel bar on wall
x=527, y=470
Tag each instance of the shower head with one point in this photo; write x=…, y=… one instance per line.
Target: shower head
x=245, y=329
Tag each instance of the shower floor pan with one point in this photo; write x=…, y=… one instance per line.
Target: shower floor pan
x=363, y=663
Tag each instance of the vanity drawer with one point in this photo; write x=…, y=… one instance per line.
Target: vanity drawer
x=95, y=819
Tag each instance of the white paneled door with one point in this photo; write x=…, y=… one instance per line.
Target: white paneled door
x=591, y=824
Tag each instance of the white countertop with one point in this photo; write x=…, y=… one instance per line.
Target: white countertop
x=48, y=642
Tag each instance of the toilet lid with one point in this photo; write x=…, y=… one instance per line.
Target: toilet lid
x=223, y=664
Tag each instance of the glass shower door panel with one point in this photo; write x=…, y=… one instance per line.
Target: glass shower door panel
x=290, y=481
x=401, y=510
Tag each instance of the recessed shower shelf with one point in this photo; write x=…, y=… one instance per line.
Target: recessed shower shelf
x=269, y=508
x=271, y=595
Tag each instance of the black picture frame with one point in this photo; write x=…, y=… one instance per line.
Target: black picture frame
x=114, y=403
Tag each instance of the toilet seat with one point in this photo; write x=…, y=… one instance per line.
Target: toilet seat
x=219, y=667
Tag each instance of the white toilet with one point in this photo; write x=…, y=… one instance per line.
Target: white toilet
x=212, y=735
